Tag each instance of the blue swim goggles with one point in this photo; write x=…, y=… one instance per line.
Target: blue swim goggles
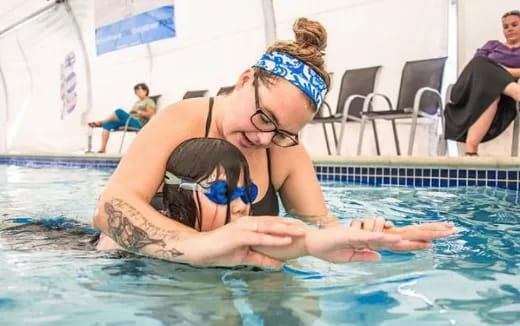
x=216, y=191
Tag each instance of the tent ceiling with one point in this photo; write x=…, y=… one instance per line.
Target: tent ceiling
x=12, y=11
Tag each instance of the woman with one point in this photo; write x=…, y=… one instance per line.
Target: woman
x=207, y=185
x=271, y=103
x=482, y=102
x=139, y=115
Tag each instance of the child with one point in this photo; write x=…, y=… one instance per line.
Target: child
x=207, y=185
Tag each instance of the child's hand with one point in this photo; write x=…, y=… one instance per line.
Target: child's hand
x=373, y=224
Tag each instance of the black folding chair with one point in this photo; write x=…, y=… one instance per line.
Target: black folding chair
x=225, y=90
x=197, y=93
x=355, y=85
x=419, y=96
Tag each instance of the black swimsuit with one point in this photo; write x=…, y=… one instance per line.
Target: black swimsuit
x=267, y=205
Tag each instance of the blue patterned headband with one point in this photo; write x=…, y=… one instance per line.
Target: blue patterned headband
x=296, y=72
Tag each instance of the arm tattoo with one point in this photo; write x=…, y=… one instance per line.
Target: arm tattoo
x=131, y=236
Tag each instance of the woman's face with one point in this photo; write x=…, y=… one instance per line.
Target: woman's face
x=282, y=102
x=214, y=215
x=511, y=27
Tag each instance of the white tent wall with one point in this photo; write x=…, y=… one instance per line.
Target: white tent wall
x=367, y=33
x=209, y=51
x=478, y=22
x=31, y=59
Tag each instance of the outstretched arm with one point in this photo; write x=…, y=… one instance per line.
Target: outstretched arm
x=358, y=242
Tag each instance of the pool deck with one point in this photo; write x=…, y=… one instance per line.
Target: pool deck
x=364, y=161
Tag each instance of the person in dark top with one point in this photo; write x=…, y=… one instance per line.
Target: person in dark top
x=207, y=185
x=270, y=104
x=482, y=101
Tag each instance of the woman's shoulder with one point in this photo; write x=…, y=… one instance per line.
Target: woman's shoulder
x=491, y=44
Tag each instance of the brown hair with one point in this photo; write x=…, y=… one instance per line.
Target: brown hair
x=309, y=47
x=511, y=13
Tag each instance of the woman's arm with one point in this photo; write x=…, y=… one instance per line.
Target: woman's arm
x=357, y=242
x=295, y=178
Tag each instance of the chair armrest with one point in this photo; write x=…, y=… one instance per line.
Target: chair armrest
x=419, y=95
x=348, y=103
x=370, y=97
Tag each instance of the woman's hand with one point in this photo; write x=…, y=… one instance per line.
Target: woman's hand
x=231, y=244
x=418, y=236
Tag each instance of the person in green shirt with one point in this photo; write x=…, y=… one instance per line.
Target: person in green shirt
x=139, y=115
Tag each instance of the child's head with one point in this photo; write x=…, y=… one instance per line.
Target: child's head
x=205, y=183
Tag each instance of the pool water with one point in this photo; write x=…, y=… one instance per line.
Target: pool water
x=469, y=279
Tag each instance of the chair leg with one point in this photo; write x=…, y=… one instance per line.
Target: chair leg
x=361, y=132
x=326, y=137
x=396, y=138
x=376, y=138
x=122, y=141
x=516, y=124
x=341, y=134
x=334, y=134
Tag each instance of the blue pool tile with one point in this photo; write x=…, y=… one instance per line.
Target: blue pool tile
x=491, y=174
x=418, y=182
x=357, y=170
x=501, y=175
x=343, y=170
x=444, y=173
x=337, y=170
x=386, y=180
x=481, y=174
x=427, y=172
x=418, y=172
x=394, y=172
x=409, y=172
x=512, y=185
x=401, y=171
x=453, y=174
x=472, y=182
x=481, y=182
x=350, y=170
x=502, y=184
x=379, y=171
x=401, y=181
x=463, y=174
x=410, y=182
x=426, y=183
x=451, y=183
x=462, y=182
x=472, y=174
x=512, y=175
x=491, y=183
x=435, y=183
x=435, y=173
x=386, y=171
x=371, y=171
x=379, y=180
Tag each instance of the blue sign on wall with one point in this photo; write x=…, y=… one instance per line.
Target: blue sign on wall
x=143, y=28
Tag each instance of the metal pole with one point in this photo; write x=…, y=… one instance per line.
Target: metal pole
x=269, y=22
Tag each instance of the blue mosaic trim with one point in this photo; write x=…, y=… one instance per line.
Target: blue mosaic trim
x=420, y=177
x=31, y=161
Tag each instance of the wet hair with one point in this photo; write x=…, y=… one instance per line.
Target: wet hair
x=511, y=13
x=309, y=47
x=197, y=159
x=142, y=86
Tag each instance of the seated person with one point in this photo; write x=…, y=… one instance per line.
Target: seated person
x=139, y=115
x=207, y=186
x=482, y=102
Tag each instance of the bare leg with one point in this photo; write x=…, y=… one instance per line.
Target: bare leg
x=104, y=141
x=478, y=130
x=111, y=117
x=513, y=90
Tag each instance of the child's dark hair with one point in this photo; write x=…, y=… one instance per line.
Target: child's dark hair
x=197, y=159
x=142, y=86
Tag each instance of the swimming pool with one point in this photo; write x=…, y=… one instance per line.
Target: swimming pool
x=469, y=279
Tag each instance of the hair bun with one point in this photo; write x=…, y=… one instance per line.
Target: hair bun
x=309, y=33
